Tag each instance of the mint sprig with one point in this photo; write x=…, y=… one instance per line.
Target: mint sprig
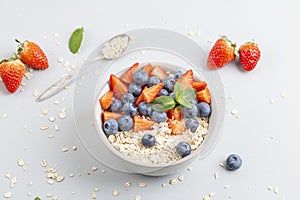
x=182, y=97
x=75, y=40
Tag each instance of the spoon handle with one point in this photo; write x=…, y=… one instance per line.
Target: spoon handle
x=57, y=86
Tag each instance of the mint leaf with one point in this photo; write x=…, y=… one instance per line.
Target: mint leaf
x=37, y=198
x=178, y=91
x=75, y=40
x=189, y=94
x=184, y=102
x=163, y=103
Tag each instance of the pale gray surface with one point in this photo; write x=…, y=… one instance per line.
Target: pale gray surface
x=267, y=162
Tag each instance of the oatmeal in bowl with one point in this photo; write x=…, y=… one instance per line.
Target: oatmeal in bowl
x=154, y=115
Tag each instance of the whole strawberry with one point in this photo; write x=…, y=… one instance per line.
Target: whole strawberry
x=12, y=72
x=32, y=55
x=222, y=53
x=249, y=55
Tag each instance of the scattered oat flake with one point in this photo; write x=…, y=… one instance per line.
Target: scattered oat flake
x=163, y=185
x=58, y=43
x=60, y=178
x=29, y=194
x=44, y=37
x=7, y=195
x=52, y=119
x=54, y=197
x=50, y=136
x=103, y=171
x=180, y=178
x=276, y=190
x=8, y=175
x=56, y=102
x=62, y=114
x=226, y=186
x=127, y=184
x=234, y=111
x=173, y=181
x=96, y=189
x=142, y=185
x=189, y=168
x=44, y=111
x=56, y=128
x=21, y=162
x=272, y=137
x=75, y=148
x=4, y=116
x=212, y=194
x=271, y=101
x=66, y=63
x=60, y=59
x=115, y=193
x=270, y=188
x=222, y=164
x=191, y=33
x=44, y=127
x=35, y=92
x=65, y=149
x=283, y=95
x=137, y=197
x=71, y=175
x=50, y=181
x=94, y=168
x=93, y=195
x=206, y=198
x=142, y=52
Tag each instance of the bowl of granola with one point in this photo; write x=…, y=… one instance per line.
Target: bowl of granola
x=152, y=117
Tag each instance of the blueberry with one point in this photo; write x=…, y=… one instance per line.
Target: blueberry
x=144, y=108
x=134, y=89
x=140, y=77
x=192, y=124
x=129, y=109
x=190, y=112
x=233, y=162
x=148, y=140
x=127, y=98
x=110, y=126
x=204, y=109
x=169, y=83
x=153, y=80
x=172, y=95
x=183, y=149
x=158, y=116
x=125, y=123
x=163, y=92
x=115, y=105
x=179, y=73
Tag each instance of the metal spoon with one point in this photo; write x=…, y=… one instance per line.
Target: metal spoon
x=110, y=50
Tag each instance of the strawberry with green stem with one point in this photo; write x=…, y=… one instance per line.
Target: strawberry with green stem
x=32, y=55
x=12, y=71
x=249, y=55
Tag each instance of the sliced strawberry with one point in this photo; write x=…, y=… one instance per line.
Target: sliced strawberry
x=151, y=92
x=199, y=85
x=174, y=113
x=128, y=75
x=204, y=95
x=176, y=126
x=159, y=73
x=148, y=69
x=105, y=100
x=110, y=115
x=186, y=80
x=141, y=123
x=118, y=87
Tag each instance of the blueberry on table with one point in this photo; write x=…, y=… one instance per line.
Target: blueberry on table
x=140, y=77
x=169, y=83
x=159, y=116
x=204, y=109
x=127, y=98
x=115, y=105
x=163, y=92
x=110, y=126
x=125, y=123
x=144, y=108
x=192, y=124
x=129, y=109
x=153, y=80
x=233, y=162
x=189, y=112
x=183, y=149
x=148, y=140
x=134, y=89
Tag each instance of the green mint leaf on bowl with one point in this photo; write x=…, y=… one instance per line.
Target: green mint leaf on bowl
x=184, y=96
x=163, y=103
x=75, y=40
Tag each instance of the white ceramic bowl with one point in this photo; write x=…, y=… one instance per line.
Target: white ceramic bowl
x=156, y=46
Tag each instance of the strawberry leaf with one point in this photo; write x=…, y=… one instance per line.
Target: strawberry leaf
x=75, y=40
x=163, y=103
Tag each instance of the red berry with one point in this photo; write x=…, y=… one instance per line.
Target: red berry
x=249, y=55
x=222, y=53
